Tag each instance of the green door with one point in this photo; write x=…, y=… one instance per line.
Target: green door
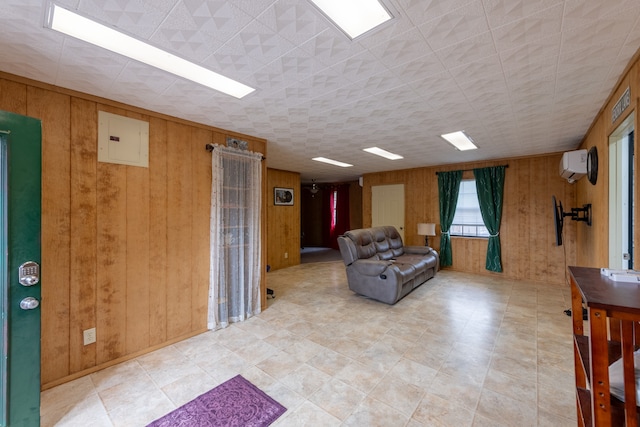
x=20, y=171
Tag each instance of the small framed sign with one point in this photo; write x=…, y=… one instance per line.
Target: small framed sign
x=282, y=196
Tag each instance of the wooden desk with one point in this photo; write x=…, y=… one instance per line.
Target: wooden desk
x=614, y=312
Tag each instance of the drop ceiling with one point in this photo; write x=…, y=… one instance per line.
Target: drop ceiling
x=521, y=77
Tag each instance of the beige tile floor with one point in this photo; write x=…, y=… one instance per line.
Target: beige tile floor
x=460, y=350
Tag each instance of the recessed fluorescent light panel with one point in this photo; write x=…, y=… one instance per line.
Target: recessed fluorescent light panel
x=383, y=153
x=82, y=28
x=460, y=140
x=354, y=17
x=331, y=162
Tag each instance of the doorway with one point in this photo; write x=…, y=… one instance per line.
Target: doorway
x=387, y=206
x=20, y=212
x=621, y=195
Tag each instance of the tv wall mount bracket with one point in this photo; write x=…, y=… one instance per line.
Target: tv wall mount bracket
x=580, y=214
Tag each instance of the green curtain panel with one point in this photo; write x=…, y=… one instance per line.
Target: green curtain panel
x=490, y=187
x=448, y=188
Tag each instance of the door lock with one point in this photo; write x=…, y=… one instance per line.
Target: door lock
x=29, y=273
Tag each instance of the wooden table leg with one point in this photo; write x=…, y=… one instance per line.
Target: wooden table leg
x=598, y=342
x=629, y=373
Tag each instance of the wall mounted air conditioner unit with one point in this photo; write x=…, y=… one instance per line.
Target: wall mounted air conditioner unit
x=573, y=165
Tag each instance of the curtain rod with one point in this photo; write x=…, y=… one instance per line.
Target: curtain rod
x=210, y=147
x=467, y=170
x=6, y=132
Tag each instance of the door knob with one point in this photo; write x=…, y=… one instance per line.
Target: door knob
x=29, y=303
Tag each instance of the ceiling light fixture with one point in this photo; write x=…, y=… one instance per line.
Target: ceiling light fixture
x=331, y=162
x=85, y=29
x=383, y=153
x=314, y=188
x=354, y=17
x=460, y=140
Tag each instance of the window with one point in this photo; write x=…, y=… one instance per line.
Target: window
x=468, y=219
x=334, y=209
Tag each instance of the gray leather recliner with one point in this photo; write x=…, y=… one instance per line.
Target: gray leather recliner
x=379, y=266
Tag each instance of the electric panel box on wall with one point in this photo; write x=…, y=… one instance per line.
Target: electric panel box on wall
x=123, y=140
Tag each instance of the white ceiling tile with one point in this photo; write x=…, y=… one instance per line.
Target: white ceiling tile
x=468, y=51
x=218, y=18
x=329, y=47
x=296, y=21
x=418, y=68
x=531, y=28
x=140, y=77
x=501, y=12
x=188, y=36
x=524, y=77
x=420, y=11
x=581, y=13
x=578, y=58
x=254, y=8
x=455, y=26
x=31, y=53
x=426, y=85
x=137, y=18
x=485, y=74
x=380, y=83
x=401, y=49
x=537, y=57
x=98, y=66
x=359, y=66
x=320, y=84
x=389, y=30
x=605, y=34
x=255, y=47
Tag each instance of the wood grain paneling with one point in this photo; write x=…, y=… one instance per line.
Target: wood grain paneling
x=13, y=96
x=179, y=229
x=283, y=222
x=138, y=261
x=526, y=233
x=200, y=225
x=592, y=244
x=111, y=259
x=157, y=231
x=83, y=277
x=124, y=249
x=54, y=110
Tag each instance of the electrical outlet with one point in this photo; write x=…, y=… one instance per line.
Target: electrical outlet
x=89, y=336
x=286, y=255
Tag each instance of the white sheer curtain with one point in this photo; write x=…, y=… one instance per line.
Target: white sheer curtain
x=235, y=263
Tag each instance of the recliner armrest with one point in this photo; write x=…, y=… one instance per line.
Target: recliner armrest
x=369, y=267
x=418, y=250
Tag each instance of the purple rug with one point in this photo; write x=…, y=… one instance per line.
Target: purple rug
x=234, y=403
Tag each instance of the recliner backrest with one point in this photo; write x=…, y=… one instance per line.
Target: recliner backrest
x=383, y=249
x=363, y=241
x=383, y=243
x=394, y=239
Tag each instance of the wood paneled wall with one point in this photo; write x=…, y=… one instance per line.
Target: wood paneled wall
x=355, y=205
x=283, y=222
x=593, y=243
x=124, y=249
x=527, y=233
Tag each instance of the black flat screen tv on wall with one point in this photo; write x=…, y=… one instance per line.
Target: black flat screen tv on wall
x=558, y=220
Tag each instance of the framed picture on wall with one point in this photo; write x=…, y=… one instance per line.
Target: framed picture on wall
x=282, y=196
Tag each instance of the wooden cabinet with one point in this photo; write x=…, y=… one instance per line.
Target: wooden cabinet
x=610, y=333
